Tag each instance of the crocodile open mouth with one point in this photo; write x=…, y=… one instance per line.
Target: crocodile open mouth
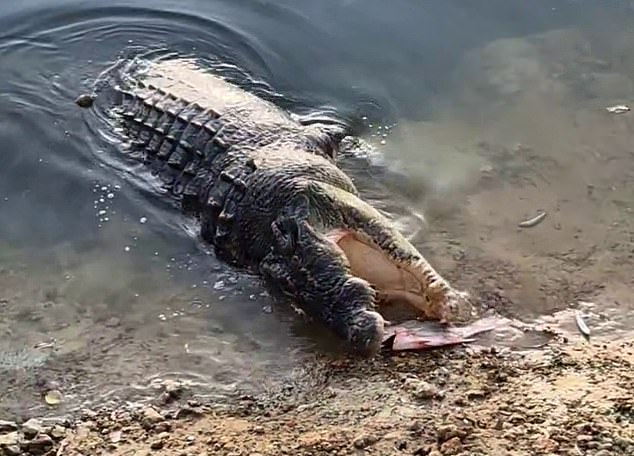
x=400, y=282
x=394, y=282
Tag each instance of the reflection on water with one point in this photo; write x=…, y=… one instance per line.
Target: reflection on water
x=489, y=112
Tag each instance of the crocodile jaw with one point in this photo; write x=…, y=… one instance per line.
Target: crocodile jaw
x=417, y=284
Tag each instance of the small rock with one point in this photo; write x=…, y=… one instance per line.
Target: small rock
x=364, y=441
x=12, y=438
x=173, y=387
x=157, y=444
x=421, y=389
x=32, y=428
x=85, y=100
x=172, y=391
x=189, y=411
x=163, y=426
x=475, y=394
x=545, y=445
x=11, y=450
x=415, y=426
x=88, y=414
x=7, y=426
x=448, y=432
x=58, y=432
x=150, y=417
x=451, y=446
x=113, y=322
x=115, y=436
x=40, y=444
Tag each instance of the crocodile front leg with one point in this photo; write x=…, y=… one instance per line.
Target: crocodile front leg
x=309, y=269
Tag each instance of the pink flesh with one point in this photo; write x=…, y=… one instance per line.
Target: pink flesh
x=424, y=338
x=408, y=340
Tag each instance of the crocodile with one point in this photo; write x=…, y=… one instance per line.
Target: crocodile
x=268, y=195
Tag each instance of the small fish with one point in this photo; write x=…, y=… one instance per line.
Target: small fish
x=534, y=221
x=618, y=109
x=581, y=325
x=427, y=335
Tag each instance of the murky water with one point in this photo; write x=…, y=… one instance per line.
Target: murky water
x=480, y=115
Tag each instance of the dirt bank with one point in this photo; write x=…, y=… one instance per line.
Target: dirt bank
x=573, y=398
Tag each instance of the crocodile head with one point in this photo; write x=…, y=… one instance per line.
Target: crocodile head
x=339, y=276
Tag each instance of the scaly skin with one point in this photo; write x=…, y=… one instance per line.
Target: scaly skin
x=268, y=195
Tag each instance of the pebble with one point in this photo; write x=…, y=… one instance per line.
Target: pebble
x=451, y=446
x=364, y=441
x=151, y=417
x=163, y=426
x=189, y=411
x=58, y=432
x=12, y=450
x=7, y=426
x=85, y=100
x=115, y=436
x=448, y=432
x=12, y=438
x=422, y=390
x=157, y=444
x=545, y=444
x=88, y=414
x=173, y=388
x=113, y=322
x=40, y=444
x=32, y=428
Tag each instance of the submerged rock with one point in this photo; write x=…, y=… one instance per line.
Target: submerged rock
x=9, y=440
x=7, y=426
x=40, y=445
x=85, y=100
x=32, y=428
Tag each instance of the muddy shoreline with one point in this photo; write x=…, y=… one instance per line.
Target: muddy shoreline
x=570, y=398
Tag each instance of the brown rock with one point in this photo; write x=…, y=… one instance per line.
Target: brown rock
x=40, y=444
x=545, y=444
x=163, y=426
x=150, y=417
x=364, y=441
x=448, y=432
x=422, y=390
x=157, y=444
x=451, y=446
x=188, y=411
